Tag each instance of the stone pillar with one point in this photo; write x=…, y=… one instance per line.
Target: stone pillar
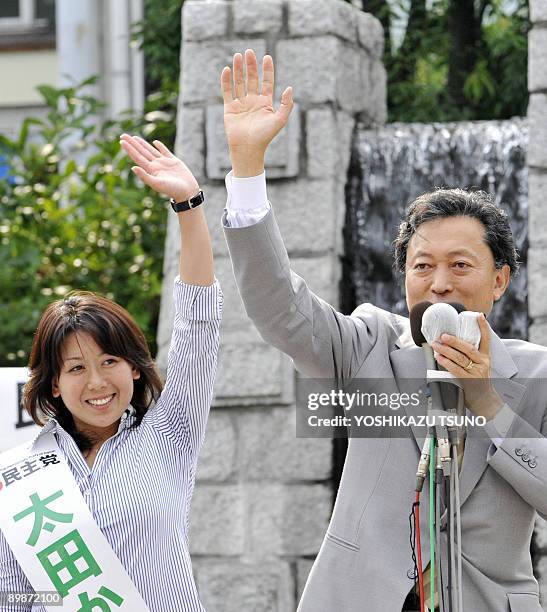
x=263, y=498
x=537, y=224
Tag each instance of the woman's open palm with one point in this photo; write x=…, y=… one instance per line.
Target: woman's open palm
x=160, y=169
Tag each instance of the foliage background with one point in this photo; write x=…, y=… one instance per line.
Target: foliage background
x=74, y=221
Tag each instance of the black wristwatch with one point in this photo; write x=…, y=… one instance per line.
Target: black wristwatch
x=187, y=204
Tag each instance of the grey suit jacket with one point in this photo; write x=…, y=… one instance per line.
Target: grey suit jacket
x=364, y=558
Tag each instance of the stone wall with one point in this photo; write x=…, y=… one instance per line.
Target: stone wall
x=537, y=214
x=263, y=498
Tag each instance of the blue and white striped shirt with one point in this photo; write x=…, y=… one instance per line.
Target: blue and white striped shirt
x=141, y=483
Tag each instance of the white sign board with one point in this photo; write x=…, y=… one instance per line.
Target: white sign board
x=17, y=427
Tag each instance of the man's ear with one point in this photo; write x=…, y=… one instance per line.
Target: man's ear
x=503, y=276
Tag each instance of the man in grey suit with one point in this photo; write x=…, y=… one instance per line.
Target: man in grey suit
x=452, y=247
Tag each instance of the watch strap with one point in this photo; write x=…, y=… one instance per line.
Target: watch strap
x=193, y=202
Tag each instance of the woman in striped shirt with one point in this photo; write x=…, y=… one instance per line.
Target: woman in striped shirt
x=132, y=446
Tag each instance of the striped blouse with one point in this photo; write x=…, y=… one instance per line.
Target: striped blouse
x=141, y=483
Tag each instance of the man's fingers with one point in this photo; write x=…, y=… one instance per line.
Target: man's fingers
x=286, y=105
x=226, y=85
x=267, y=76
x=484, y=346
x=238, y=76
x=252, y=71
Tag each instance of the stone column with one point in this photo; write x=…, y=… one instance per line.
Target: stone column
x=263, y=498
x=537, y=220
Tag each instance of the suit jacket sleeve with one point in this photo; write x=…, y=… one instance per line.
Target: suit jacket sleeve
x=523, y=448
x=322, y=342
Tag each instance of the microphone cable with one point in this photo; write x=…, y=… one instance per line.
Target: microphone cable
x=432, y=522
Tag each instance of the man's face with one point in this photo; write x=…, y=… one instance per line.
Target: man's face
x=95, y=387
x=449, y=261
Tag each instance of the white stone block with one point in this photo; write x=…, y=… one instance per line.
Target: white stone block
x=202, y=63
x=537, y=282
x=538, y=10
x=537, y=121
x=537, y=59
x=317, y=17
x=217, y=459
x=371, y=34
x=190, y=140
x=537, y=207
x=217, y=520
x=204, y=19
x=257, y=16
x=267, y=435
x=235, y=586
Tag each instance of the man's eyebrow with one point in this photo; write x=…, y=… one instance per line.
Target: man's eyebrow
x=81, y=358
x=462, y=251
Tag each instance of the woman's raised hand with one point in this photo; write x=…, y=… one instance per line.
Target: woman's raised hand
x=250, y=120
x=158, y=168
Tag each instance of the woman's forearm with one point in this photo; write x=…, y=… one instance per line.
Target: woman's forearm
x=196, y=255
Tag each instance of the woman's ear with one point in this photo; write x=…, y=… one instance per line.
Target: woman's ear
x=55, y=388
x=136, y=373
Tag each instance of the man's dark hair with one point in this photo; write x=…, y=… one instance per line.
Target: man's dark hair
x=444, y=203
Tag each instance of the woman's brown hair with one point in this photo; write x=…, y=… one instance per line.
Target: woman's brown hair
x=113, y=329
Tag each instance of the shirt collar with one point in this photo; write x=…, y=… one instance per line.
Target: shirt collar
x=52, y=425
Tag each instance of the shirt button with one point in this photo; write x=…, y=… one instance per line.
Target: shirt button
x=518, y=452
x=532, y=463
x=525, y=457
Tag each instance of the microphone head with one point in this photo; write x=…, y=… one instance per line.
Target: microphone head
x=468, y=328
x=438, y=319
x=416, y=313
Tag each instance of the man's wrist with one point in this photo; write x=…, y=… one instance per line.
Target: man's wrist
x=490, y=408
x=247, y=162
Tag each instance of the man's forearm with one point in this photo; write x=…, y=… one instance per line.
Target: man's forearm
x=196, y=255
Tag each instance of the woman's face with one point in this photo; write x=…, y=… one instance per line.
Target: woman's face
x=95, y=387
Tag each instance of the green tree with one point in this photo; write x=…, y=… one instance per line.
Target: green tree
x=459, y=59
x=66, y=224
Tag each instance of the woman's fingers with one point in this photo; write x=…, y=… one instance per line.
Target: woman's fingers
x=163, y=149
x=135, y=154
x=140, y=145
x=238, y=76
x=146, y=148
x=267, y=76
x=147, y=179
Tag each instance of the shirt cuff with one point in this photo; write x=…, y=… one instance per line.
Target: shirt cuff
x=196, y=302
x=498, y=427
x=246, y=194
x=247, y=201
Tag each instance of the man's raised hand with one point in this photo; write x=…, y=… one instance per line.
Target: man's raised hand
x=250, y=120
